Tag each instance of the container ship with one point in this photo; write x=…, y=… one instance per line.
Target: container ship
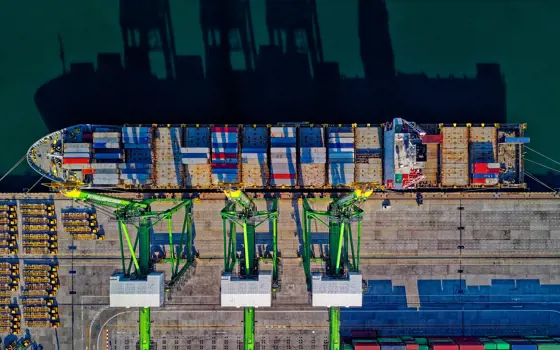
x=397, y=155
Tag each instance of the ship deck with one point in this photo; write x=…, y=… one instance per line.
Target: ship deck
x=40, y=158
x=506, y=279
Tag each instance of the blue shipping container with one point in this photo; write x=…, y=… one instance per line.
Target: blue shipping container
x=108, y=155
x=128, y=139
x=517, y=140
x=253, y=150
x=224, y=145
x=340, y=145
x=136, y=171
x=283, y=140
x=524, y=346
x=194, y=155
x=485, y=176
x=135, y=176
x=224, y=171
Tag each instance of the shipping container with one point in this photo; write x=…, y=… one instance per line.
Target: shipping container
x=429, y=139
x=169, y=169
x=368, y=137
x=517, y=140
x=77, y=145
x=97, y=135
x=366, y=346
x=197, y=137
x=108, y=156
x=106, y=140
x=454, y=157
x=75, y=160
x=76, y=155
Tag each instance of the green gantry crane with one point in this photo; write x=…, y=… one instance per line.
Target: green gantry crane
x=140, y=215
x=343, y=255
x=242, y=211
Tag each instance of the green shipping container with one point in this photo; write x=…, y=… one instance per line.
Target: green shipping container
x=398, y=178
x=421, y=341
x=549, y=346
x=501, y=344
x=423, y=347
x=348, y=347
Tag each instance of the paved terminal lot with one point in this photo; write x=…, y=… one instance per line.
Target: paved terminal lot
x=425, y=275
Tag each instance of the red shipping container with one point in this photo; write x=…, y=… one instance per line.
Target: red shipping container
x=224, y=129
x=223, y=155
x=75, y=161
x=480, y=168
x=478, y=181
x=444, y=346
x=432, y=138
x=87, y=137
x=493, y=171
x=366, y=346
x=412, y=346
x=224, y=166
x=284, y=176
x=88, y=171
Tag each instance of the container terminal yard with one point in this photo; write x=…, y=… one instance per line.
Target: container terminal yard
x=488, y=269
x=305, y=242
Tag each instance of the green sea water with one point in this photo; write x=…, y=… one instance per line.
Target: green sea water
x=432, y=36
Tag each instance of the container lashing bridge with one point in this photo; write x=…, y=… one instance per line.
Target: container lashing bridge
x=241, y=211
x=140, y=215
x=341, y=283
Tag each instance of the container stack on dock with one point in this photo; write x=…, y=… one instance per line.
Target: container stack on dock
x=312, y=157
x=8, y=227
x=483, y=154
x=456, y=343
x=81, y=223
x=283, y=153
x=137, y=142
x=369, y=167
x=107, y=150
x=40, y=285
x=10, y=319
x=225, y=163
x=196, y=157
x=254, y=156
x=39, y=228
x=454, y=157
x=168, y=168
x=341, y=168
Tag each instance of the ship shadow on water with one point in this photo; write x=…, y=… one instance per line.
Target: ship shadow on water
x=286, y=80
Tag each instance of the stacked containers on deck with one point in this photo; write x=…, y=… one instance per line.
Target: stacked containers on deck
x=313, y=156
x=391, y=344
x=283, y=170
x=196, y=157
x=254, y=156
x=107, y=150
x=430, y=170
x=138, y=147
x=76, y=156
x=368, y=155
x=483, y=155
x=454, y=156
x=225, y=155
x=168, y=168
x=341, y=155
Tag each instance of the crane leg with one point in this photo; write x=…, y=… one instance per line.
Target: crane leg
x=145, y=328
x=249, y=328
x=334, y=328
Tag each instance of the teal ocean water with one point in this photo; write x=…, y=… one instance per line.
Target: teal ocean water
x=432, y=36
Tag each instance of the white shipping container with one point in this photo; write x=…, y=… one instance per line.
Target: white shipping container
x=105, y=182
x=340, y=150
x=106, y=171
x=195, y=150
x=77, y=145
x=341, y=140
x=313, y=150
x=282, y=182
x=342, y=165
x=105, y=176
x=198, y=175
x=254, y=155
x=75, y=166
x=283, y=161
x=254, y=175
x=282, y=129
x=104, y=165
x=112, y=145
x=106, y=134
x=283, y=150
x=194, y=161
x=341, y=134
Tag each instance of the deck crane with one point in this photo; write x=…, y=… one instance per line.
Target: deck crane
x=242, y=211
x=341, y=284
x=140, y=215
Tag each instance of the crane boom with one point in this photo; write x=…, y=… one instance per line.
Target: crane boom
x=127, y=210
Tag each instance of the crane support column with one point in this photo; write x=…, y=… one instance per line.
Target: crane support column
x=145, y=322
x=249, y=328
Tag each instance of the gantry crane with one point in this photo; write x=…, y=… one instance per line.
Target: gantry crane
x=343, y=258
x=140, y=215
x=242, y=211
